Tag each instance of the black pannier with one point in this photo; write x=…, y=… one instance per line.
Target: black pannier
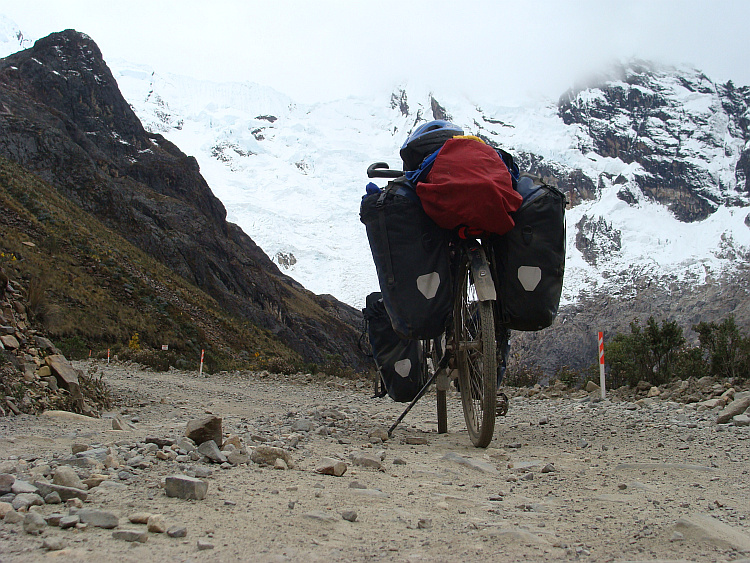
x=529, y=260
x=399, y=361
x=412, y=259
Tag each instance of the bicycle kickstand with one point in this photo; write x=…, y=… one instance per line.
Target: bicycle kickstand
x=421, y=393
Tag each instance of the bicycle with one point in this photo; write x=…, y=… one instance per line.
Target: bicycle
x=467, y=352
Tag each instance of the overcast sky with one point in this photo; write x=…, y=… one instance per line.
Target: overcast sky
x=318, y=50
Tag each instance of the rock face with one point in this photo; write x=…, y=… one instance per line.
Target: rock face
x=65, y=120
x=639, y=117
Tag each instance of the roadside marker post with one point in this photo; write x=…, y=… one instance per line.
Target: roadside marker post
x=107, y=356
x=200, y=371
x=602, y=382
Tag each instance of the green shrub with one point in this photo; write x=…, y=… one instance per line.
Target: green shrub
x=74, y=347
x=727, y=351
x=649, y=353
x=522, y=374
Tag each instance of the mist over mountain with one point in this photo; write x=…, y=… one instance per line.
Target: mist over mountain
x=654, y=159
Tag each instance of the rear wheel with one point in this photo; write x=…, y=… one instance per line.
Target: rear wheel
x=476, y=358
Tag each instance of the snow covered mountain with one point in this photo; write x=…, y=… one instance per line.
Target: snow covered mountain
x=655, y=162
x=652, y=160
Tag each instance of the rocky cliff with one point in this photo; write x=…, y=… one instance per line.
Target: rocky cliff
x=63, y=118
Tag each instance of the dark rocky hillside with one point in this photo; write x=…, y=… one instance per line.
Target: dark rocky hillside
x=62, y=118
x=674, y=126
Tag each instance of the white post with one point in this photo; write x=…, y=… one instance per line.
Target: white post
x=200, y=372
x=602, y=382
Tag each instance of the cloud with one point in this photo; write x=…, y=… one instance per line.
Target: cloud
x=328, y=49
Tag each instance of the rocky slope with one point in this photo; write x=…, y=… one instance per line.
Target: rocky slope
x=63, y=118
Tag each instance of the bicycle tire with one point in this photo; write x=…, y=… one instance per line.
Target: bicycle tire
x=476, y=358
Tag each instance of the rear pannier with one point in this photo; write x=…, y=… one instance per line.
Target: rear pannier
x=529, y=260
x=399, y=361
x=412, y=260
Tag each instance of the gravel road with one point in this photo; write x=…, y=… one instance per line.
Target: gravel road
x=565, y=478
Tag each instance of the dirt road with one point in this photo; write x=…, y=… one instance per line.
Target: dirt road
x=567, y=478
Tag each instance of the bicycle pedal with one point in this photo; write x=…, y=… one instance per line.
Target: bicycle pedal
x=501, y=408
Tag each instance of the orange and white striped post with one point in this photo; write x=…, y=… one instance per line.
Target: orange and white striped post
x=200, y=371
x=602, y=382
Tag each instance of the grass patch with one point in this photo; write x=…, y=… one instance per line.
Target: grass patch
x=90, y=290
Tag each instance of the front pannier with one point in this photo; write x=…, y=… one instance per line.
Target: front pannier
x=412, y=260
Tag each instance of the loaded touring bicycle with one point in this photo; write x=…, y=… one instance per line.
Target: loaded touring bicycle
x=465, y=249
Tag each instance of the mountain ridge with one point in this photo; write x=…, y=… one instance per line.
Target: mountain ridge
x=67, y=122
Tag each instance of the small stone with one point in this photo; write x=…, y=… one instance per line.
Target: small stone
x=182, y=486
x=204, y=545
x=53, y=498
x=157, y=524
x=416, y=440
x=20, y=487
x=5, y=507
x=78, y=448
x=238, y=458
x=177, y=532
x=280, y=464
x=185, y=444
x=54, y=519
x=366, y=460
x=54, y=544
x=424, y=524
x=349, y=515
x=380, y=433
x=6, y=483
x=130, y=535
x=65, y=493
x=69, y=521
x=204, y=429
x=67, y=477
x=211, y=450
x=592, y=387
x=25, y=500
x=303, y=425
x=74, y=503
x=738, y=406
x=398, y=461
x=13, y=517
x=267, y=455
x=33, y=523
x=549, y=468
x=139, y=517
x=98, y=518
x=622, y=486
x=330, y=466
x=232, y=440
x=677, y=536
x=94, y=480
x=741, y=420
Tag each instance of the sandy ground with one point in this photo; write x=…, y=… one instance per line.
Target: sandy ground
x=564, y=479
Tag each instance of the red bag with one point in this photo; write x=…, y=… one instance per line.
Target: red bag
x=469, y=185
